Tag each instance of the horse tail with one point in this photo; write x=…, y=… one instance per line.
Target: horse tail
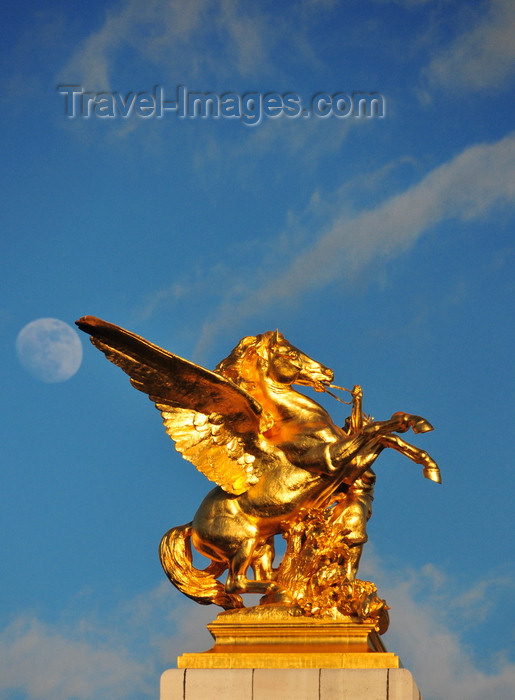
x=199, y=585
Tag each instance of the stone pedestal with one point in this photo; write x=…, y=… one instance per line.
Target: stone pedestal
x=289, y=684
x=274, y=652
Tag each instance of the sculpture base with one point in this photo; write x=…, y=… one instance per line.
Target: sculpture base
x=289, y=684
x=277, y=636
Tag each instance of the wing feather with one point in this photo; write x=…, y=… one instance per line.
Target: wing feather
x=219, y=454
x=213, y=422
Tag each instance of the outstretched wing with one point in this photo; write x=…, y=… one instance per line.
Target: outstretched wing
x=213, y=422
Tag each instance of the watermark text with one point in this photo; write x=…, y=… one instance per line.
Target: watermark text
x=250, y=108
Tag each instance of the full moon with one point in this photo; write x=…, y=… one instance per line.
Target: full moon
x=49, y=349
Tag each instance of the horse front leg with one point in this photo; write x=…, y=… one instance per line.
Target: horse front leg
x=430, y=471
x=400, y=422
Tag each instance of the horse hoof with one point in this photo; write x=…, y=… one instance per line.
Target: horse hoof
x=275, y=595
x=433, y=474
x=422, y=426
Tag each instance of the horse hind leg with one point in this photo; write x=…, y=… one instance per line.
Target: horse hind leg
x=201, y=586
x=262, y=561
x=237, y=581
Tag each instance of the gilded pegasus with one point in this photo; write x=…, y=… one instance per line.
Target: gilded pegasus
x=272, y=452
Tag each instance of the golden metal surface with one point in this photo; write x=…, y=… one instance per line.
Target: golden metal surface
x=282, y=467
x=276, y=637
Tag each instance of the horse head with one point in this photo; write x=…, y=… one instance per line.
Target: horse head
x=289, y=365
x=271, y=355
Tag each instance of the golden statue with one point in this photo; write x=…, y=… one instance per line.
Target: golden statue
x=281, y=466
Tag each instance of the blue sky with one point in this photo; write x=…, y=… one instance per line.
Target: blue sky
x=381, y=246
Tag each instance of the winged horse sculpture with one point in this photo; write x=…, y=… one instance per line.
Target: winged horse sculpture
x=270, y=450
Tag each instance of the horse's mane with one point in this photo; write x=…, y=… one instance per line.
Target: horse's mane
x=250, y=353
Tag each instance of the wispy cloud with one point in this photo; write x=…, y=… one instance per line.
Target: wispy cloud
x=464, y=188
x=43, y=661
x=482, y=57
x=84, y=657
x=201, y=36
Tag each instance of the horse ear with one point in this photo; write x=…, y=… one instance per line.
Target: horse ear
x=277, y=336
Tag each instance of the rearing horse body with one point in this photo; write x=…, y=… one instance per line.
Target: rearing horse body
x=272, y=450
x=304, y=458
